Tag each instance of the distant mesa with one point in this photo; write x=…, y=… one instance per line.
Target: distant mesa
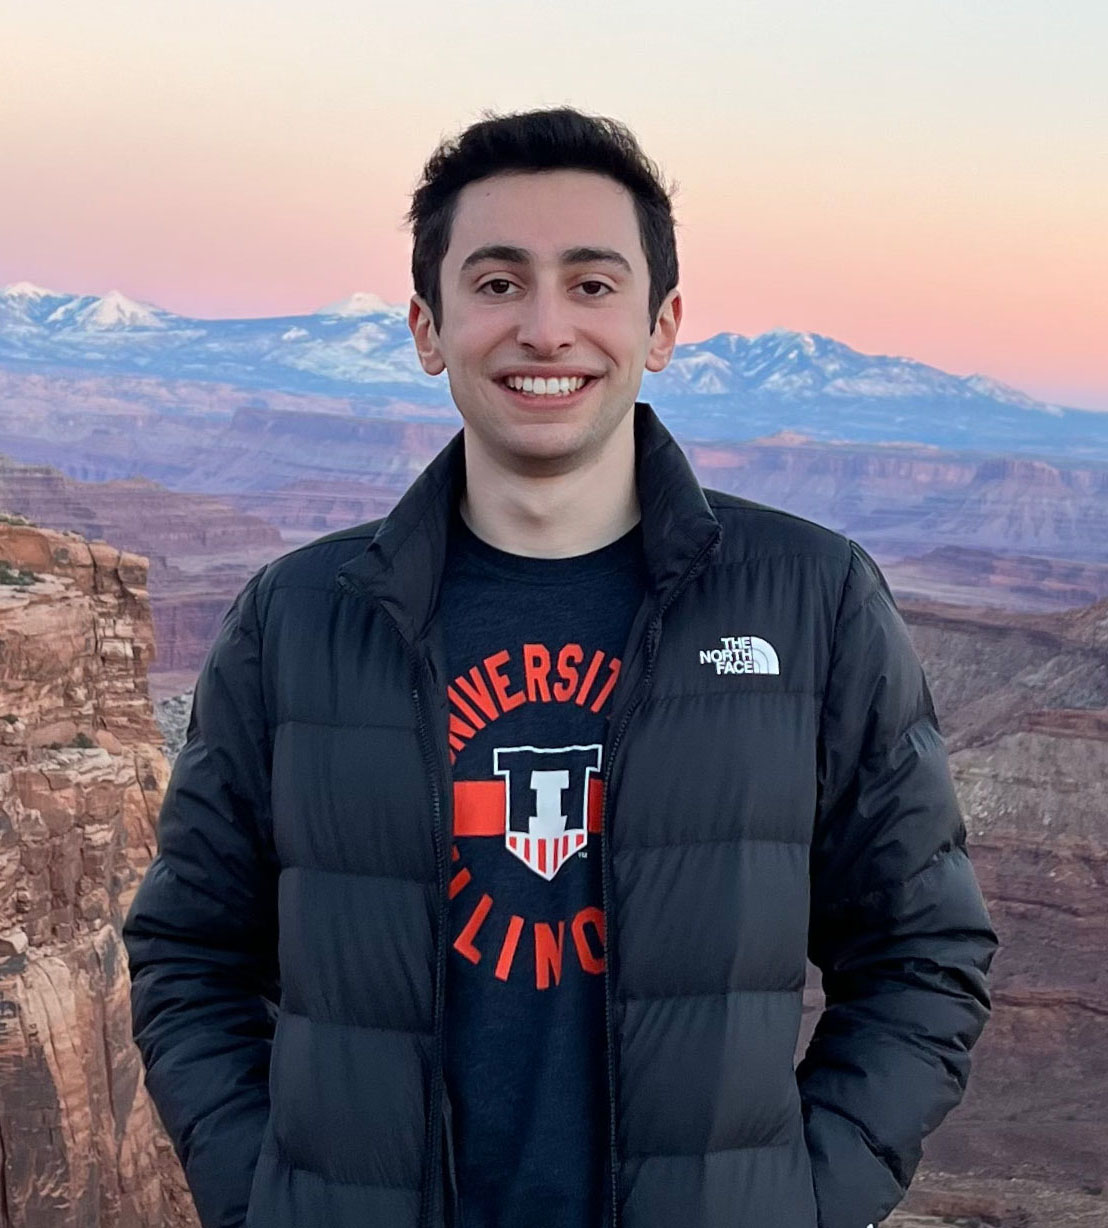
x=786, y=438
x=783, y=438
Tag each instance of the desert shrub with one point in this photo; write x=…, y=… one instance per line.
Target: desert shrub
x=19, y=576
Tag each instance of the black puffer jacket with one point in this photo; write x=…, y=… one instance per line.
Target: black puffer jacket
x=776, y=786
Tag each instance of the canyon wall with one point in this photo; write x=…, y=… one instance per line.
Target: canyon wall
x=200, y=549
x=1016, y=533
x=82, y=774
x=906, y=499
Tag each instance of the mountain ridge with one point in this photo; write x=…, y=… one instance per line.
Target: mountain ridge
x=727, y=386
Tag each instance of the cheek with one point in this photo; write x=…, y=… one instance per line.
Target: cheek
x=465, y=335
x=473, y=349
x=628, y=344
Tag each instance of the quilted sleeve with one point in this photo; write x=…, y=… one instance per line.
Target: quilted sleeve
x=201, y=932
x=898, y=926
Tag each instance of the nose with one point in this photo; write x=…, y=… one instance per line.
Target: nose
x=545, y=321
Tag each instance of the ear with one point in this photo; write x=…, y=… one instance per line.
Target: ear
x=426, y=338
x=664, y=337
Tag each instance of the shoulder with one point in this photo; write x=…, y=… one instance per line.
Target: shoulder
x=837, y=563
x=756, y=530
x=312, y=566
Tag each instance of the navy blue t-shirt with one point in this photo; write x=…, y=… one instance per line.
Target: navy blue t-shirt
x=533, y=649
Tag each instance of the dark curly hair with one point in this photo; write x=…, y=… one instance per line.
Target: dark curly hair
x=560, y=138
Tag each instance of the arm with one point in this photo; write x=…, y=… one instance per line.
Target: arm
x=898, y=925
x=201, y=932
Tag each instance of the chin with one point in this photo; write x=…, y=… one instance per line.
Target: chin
x=549, y=439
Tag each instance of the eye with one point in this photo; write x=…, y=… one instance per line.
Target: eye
x=603, y=285
x=494, y=281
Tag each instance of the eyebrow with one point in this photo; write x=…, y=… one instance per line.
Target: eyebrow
x=507, y=254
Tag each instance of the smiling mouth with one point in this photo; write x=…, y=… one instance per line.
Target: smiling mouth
x=539, y=389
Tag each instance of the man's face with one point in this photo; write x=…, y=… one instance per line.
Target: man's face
x=545, y=275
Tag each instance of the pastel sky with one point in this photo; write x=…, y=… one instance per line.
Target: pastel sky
x=913, y=177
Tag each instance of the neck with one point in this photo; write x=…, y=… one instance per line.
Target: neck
x=555, y=515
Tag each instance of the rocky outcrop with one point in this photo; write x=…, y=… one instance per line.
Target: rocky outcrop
x=81, y=779
x=135, y=514
x=172, y=714
x=201, y=550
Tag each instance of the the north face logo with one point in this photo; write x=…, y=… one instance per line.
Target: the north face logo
x=546, y=796
x=742, y=654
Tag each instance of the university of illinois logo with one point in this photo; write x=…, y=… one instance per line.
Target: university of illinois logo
x=546, y=800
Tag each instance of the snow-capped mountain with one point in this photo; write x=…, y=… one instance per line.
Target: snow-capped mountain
x=352, y=346
x=362, y=303
x=727, y=386
x=85, y=313
x=113, y=311
x=27, y=292
x=800, y=366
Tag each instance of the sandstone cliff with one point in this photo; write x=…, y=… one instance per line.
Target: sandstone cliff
x=200, y=549
x=142, y=515
x=81, y=779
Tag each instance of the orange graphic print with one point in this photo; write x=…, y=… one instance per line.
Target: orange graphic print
x=485, y=693
x=540, y=804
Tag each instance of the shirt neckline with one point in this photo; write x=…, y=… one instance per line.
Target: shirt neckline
x=624, y=555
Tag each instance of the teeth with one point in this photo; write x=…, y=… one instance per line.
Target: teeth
x=538, y=386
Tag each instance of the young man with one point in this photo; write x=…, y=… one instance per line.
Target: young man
x=504, y=825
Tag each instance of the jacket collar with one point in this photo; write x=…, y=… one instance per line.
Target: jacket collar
x=403, y=563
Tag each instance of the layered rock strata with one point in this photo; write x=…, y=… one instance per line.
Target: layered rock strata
x=200, y=549
x=82, y=774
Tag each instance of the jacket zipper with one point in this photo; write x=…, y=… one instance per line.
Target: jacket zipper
x=605, y=900
x=435, y=1109
x=653, y=635
x=435, y=1123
